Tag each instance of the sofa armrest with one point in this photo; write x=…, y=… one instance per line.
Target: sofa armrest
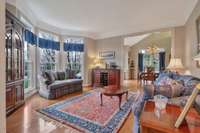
x=42, y=82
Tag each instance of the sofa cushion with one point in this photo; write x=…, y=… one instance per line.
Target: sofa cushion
x=164, y=90
x=177, y=89
x=62, y=83
x=183, y=78
x=61, y=75
x=55, y=75
x=169, y=89
x=49, y=76
x=162, y=75
x=165, y=81
x=71, y=74
x=189, y=87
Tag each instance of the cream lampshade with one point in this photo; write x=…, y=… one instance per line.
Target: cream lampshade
x=187, y=72
x=175, y=64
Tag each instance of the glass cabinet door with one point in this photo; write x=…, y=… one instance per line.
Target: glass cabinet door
x=8, y=51
x=17, y=56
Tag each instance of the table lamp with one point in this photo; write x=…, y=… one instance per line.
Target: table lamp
x=176, y=65
x=189, y=101
x=98, y=62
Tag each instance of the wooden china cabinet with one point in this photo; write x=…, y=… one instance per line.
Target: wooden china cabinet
x=105, y=77
x=14, y=63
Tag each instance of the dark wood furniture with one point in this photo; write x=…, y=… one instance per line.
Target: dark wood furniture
x=165, y=124
x=14, y=63
x=113, y=91
x=144, y=77
x=105, y=77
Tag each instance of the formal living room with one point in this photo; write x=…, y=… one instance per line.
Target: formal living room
x=107, y=66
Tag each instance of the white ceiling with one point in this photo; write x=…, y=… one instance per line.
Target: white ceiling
x=130, y=41
x=106, y=18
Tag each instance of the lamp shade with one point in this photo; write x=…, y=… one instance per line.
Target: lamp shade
x=175, y=64
x=187, y=72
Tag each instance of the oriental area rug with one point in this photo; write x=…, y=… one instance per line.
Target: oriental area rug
x=85, y=114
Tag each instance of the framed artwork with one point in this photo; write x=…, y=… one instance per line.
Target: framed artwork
x=198, y=38
x=107, y=54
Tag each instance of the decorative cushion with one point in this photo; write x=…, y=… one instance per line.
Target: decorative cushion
x=177, y=89
x=169, y=88
x=61, y=75
x=165, y=81
x=49, y=76
x=189, y=87
x=55, y=75
x=164, y=90
x=163, y=74
x=71, y=74
x=183, y=78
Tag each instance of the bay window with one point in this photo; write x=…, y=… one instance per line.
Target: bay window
x=74, y=48
x=48, y=55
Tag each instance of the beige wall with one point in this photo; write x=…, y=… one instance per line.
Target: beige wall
x=161, y=40
x=112, y=44
x=191, y=41
x=178, y=42
x=2, y=68
x=89, y=55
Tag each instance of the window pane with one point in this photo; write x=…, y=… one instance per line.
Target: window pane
x=48, y=56
x=47, y=59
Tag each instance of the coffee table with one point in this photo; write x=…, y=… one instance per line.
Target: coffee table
x=110, y=91
x=150, y=123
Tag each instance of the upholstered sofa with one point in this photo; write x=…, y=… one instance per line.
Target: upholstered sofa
x=172, y=85
x=57, y=84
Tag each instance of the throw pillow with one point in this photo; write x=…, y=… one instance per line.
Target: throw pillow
x=184, y=79
x=164, y=90
x=189, y=87
x=165, y=81
x=177, y=88
x=169, y=87
x=61, y=75
x=49, y=76
x=55, y=75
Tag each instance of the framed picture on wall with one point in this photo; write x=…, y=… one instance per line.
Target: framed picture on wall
x=107, y=54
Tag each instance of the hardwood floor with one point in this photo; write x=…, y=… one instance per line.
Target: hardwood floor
x=26, y=120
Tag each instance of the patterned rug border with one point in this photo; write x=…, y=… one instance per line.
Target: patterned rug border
x=114, y=126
